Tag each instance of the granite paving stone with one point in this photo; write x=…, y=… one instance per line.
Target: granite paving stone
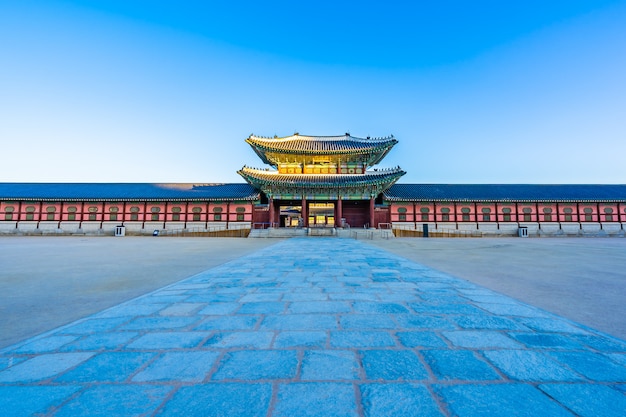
x=28, y=401
x=305, y=307
x=421, y=339
x=220, y=400
x=97, y=325
x=107, y=367
x=243, y=322
x=315, y=399
x=116, y=400
x=295, y=330
x=300, y=322
x=421, y=321
x=352, y=338
x=46, y=344
x=168, y=340
x=459, y=365
x=181, y=309
x=253, y=340
x=480, y=339
x=219, y=308
x=367, y=321
x=588, y=400
x=286, y=339
x=593, y=366
x=398, y=400
x=547, y=340
x=249, y=365
x=43, y=366
x=529, y=366
x=100, y=341
x=179, y=366
x=501, y=400
x=329, y=365
x=393, y=365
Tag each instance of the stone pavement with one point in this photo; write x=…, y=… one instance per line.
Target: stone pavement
x=317, y=327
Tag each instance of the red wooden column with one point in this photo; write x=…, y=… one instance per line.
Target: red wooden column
x=271, y=209
x=372, y=212
x=339, y=213
x=305, y=214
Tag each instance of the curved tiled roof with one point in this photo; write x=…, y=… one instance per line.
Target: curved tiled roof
x=506, y=192
x=321, y=145
x=266, y=177
x=126, y=191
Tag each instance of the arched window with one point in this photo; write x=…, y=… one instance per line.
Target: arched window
x=196, y=213
x=93, y=210
x=71, y=213
x=217, y=214
x=588, y=214
x=402, y=214
x=50, y=213
x=424, y=213
x=465, y=214
x=527, y=214
x=506, y=214
x=8, y=213
x=176, y=214
x=608, y=214
x=547, y=214
x=486, y=214
x=568, y=214
x=113, y=213
x=134, y=213
x=445, y=214
x=155, y=213
x=30, y=213
x=240, y=213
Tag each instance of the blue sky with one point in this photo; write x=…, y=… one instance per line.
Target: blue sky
x=475, y=92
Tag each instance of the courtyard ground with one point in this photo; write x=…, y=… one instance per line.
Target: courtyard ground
x=299, y=327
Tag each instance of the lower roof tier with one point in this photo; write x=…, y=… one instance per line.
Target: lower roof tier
x=351, y=186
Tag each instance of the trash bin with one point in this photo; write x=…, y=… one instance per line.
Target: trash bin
x=120, y=230
x=522, y=231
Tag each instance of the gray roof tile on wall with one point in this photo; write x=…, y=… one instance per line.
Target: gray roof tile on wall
x=243, y=191
x=506, y=192
x=126, y=191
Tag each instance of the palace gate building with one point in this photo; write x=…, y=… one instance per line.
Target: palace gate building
x=313, y=182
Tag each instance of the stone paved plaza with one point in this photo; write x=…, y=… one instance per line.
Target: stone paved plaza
x=317, y=327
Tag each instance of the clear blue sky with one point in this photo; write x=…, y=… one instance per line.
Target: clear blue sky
x=476, y=91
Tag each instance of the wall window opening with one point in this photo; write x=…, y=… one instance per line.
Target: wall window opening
x=506, y=214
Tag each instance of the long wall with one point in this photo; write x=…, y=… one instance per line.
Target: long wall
x=562, y=218
x=143, y=217
x=101, y=217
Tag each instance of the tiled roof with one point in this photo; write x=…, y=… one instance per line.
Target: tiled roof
x=260, y=176
x=126, y=191
x=505, y=192
x=322, y=145
x=397, y=192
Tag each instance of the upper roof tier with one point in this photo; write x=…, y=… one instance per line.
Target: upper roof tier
x=369, y=151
